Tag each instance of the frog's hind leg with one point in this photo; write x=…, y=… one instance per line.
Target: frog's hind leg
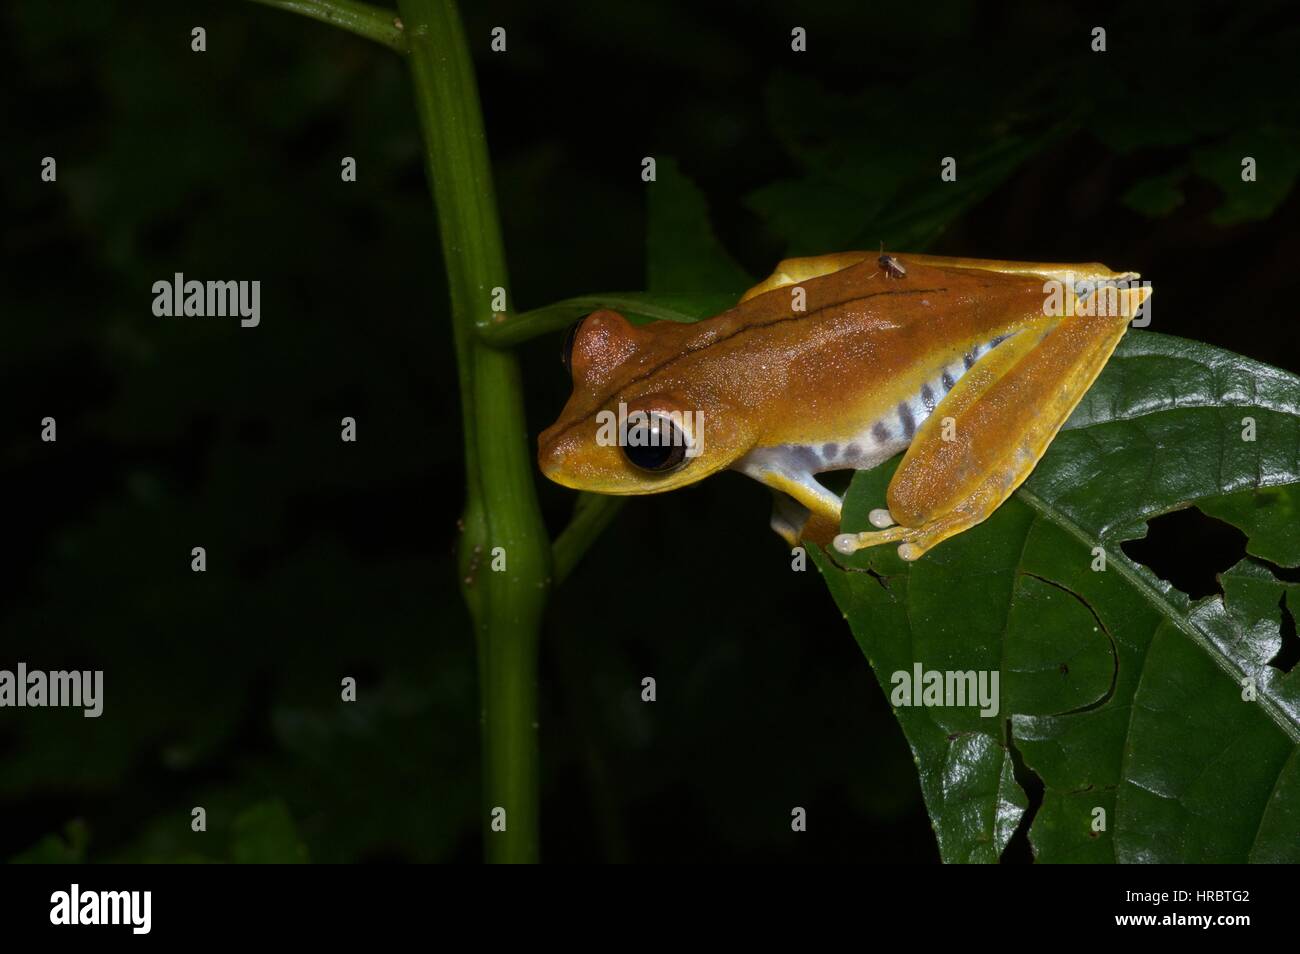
x=792, y=271
x=788, y=516
x=1000, y=417
x=804, y=510
x=1079, y=276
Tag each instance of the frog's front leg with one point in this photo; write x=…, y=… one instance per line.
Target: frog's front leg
x=803, y=509
x=988, y=433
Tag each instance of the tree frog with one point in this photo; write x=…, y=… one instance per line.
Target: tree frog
x=839, y=362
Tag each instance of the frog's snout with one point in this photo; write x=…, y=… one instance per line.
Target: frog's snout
x=548, y=457
x=552, y=455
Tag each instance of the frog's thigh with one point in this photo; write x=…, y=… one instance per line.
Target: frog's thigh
x=816, y=509
x=792, y=271
x=1001, y=417
x=1068, y=274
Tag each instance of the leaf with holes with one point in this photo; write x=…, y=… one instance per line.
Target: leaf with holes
x=1160, y=728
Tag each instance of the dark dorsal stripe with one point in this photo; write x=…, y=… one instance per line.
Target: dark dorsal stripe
x=757, y=326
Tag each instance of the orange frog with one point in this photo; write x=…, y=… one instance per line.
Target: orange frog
x=840, y=362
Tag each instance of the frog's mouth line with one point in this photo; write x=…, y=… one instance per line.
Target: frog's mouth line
x=650, y=487
x=691, y=472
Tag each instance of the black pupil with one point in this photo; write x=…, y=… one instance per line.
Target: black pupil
x=658, y=446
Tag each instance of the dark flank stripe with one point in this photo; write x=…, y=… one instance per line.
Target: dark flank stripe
x=852, y=451
x=879, y=432
x=906, y=419
x=807, y=458
x=969, y=360
x=831, y=451
x=948, y=382
x=927, y=397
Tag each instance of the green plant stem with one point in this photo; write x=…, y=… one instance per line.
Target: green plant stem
x=373, y=23
x=501, y=505
x=592, y=513
x=502, y=331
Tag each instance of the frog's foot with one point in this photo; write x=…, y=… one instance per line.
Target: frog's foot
x=788, y=517
x=916, y=541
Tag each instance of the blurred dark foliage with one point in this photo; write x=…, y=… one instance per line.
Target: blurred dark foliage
x=328, y=559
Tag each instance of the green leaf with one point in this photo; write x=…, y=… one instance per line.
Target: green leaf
x=1123, y=695
x=682, y=253
x=266, y=834
x=66, y=849
x=637, y=307
x=1277, y=157
x=1156, y=196
x=686, y=266
x=860, y=187
x=1269, y=517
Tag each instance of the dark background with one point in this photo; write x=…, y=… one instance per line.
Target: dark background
x=328, y=559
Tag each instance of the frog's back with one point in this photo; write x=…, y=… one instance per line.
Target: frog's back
x=857, y=352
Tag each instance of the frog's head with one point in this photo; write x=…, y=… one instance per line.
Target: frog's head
x=641, y=419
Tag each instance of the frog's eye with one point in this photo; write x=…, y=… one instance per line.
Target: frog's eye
x=656, y=445
x=566, y=355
